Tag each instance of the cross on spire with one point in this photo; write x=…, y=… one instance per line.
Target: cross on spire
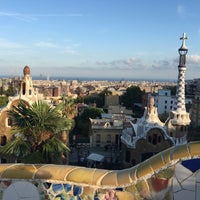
x=183, y=38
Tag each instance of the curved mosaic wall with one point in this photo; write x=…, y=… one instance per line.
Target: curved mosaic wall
x=171, y=174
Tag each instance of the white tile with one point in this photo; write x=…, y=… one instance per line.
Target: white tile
x=198, y=176
x=175, y=185
x=21, y=190
x=189, y=183
x=197, y=191
x=181, y=172
x=184, y=195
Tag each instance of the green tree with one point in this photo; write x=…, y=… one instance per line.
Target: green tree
x=82, y=123
x=91, y=113
x=99, y=99
x=172, y=88
x=35, y=132
x=68, y=110
x=132, y=95
x=11, y=91
x=3, y=101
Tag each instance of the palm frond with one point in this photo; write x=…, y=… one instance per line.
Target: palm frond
x=53, y=148
x=18, y=147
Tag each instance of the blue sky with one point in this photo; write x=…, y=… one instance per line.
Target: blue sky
x=136, y=39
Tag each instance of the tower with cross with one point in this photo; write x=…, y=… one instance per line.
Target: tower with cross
x=179, y=118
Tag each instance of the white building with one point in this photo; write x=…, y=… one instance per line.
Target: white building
x=164, y=101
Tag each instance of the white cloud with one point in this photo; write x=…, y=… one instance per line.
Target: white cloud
x=10, y=45
x=19, y=16
x=45, y=44
x=33, y=17
x=69, y=50
x=122, y=64
x=163, y=64
x=193, y=59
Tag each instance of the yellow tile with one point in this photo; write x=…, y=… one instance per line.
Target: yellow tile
x=143, y=169
x=180, y=152
x=54, y=172
x=109, y=179
x=3, y=167
x=123, y=177
x=133, y=171
x=156, y=162
x=81, y=175
x=194, y=148
x=19, y=171
x=98, y=175
x=125, y=196
x=166, y=155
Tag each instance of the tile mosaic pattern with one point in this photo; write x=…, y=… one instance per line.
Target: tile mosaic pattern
x=171, y=174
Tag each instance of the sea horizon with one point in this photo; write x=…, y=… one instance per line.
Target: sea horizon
x=61, y=78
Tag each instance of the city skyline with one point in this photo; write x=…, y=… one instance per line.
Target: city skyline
x=128, y=39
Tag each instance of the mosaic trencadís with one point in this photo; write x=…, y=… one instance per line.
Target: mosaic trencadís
x=171, y=174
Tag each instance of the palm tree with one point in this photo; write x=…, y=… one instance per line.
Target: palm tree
x=68, y=110
x=36, y=130
x=68, y=107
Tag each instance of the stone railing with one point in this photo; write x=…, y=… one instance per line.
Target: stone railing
x=160, y=177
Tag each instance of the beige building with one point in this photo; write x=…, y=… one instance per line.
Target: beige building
x=106, y=132
x=26, y=94
x=113, y=106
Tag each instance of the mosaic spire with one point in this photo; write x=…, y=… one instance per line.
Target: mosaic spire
x=180, y=116
x=180, y=93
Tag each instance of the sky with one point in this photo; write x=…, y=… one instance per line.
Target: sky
x=122, y=39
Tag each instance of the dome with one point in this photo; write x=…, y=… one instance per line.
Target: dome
x=27, y=70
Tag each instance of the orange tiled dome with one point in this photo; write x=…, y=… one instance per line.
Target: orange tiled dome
x=27, y=70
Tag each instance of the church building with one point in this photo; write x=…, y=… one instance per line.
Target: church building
x=26, y=94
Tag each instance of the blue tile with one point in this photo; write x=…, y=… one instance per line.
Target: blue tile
x=119, y=189
x=57, y=188
x=47, y=185
x=193, y=164
x=77, y=190
x=67, y=187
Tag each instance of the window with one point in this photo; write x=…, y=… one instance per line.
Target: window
x=159, y=139
x=149, y=139
x=98, y=138
x=9, y=122
x=23, y=88
x=154, y=139
x=3, y=140
x=165, y=101
x=29, y=92
x=108, y=138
